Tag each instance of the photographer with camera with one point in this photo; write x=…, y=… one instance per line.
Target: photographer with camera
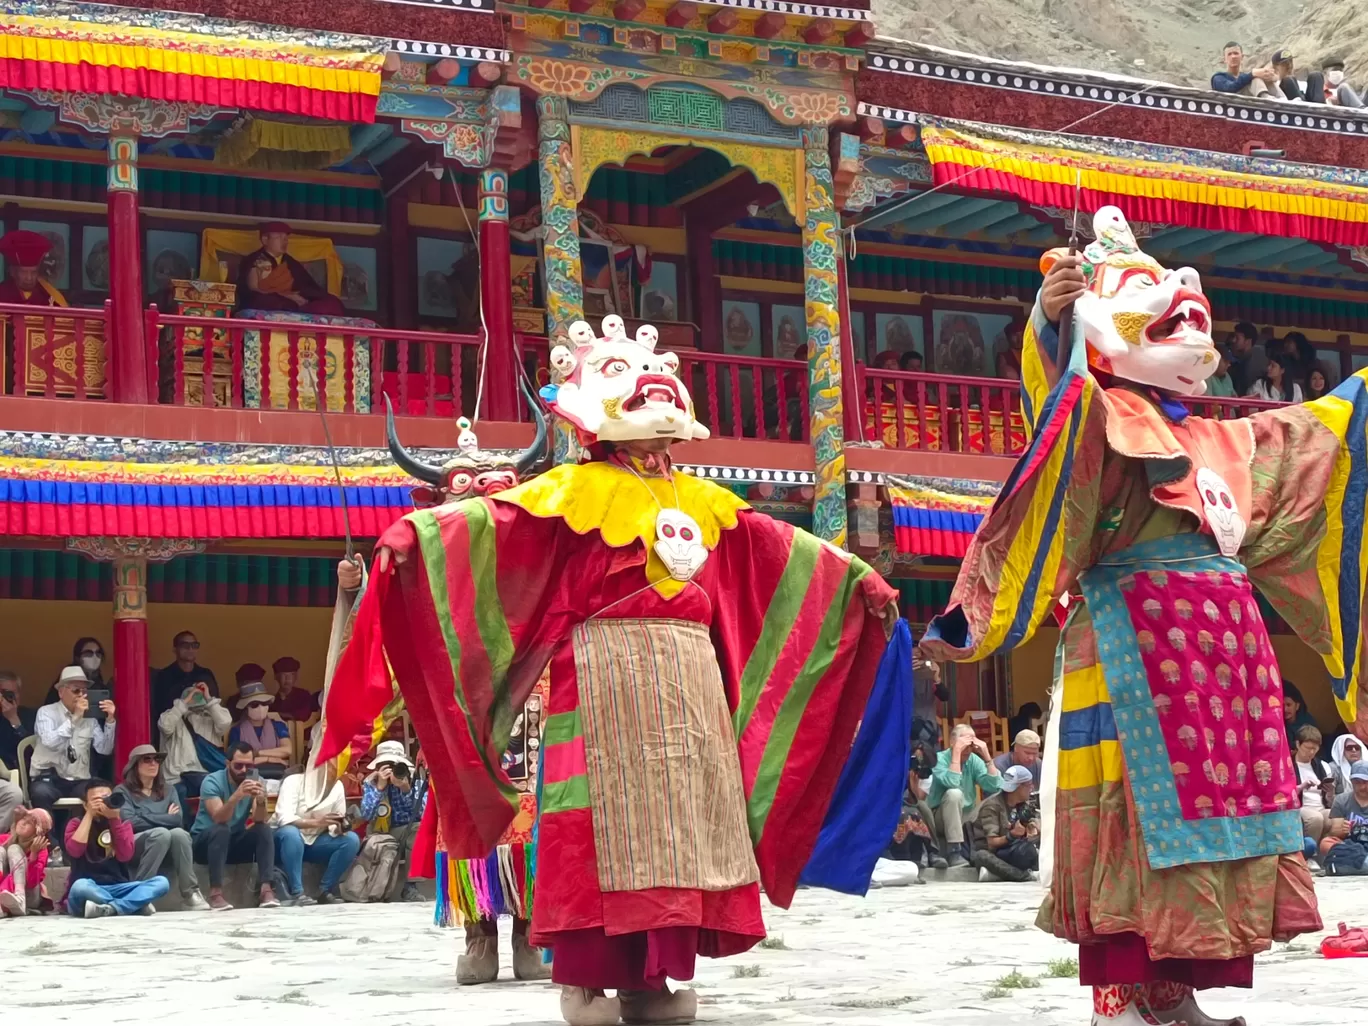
x=233, y=826
x=100, y=846
x=392, y=803
x=68, y=732
x=1345, y=847
x=1007, y=830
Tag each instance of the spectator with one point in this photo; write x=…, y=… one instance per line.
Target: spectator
x=1278, y=383
x=960, y=771
x=1221, y=384
x=309, y=830
x=1346, y=750
x=1349, y=827
x=1337, y=90
x=1294, y=712
x=1025, y=753
x=221, y=833
x=263, y=733
x=392, y=802
x=914, y=840
x=67, y=736
x=1248, y=360
x=1301, y=355
x=291, y=701
x=1235, y=80
x=1284, y=68
x=1317, y=386
x=1006, y=830
x=88, y=654
x=100, y=848
x=192, y=734
x=172, y=680
x=152, y=809
x=16, y=722
x=911, y=361
x=1315, y=784
x=1028, y=717
x=23, y=862
x=927, y=692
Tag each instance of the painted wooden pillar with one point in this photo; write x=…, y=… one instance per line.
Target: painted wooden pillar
x=125, y=346
x=132, y=678
x=496, y=299
x=402, y=278
x=560, y=239
x=821, y=290
x=560, y=217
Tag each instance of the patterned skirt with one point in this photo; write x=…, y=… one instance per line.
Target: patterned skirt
x=1177, y=838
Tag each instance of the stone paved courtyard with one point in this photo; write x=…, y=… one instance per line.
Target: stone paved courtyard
x=928, y=954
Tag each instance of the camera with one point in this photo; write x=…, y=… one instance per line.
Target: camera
x=10, y=696
x=400, y=771
x=1030, y=810
x=114, y=800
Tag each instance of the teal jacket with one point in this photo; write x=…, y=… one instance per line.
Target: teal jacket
x=973, y=774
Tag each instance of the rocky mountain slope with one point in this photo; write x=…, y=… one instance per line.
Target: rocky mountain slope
x=1176, y=41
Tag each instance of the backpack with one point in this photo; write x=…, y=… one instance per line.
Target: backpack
x=376, y=869
x=1346, y=859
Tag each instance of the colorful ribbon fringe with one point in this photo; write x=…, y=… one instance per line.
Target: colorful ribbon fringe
x=475, y=889
x=1153, y=191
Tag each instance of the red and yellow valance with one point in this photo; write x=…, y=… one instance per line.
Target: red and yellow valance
x=1145, y=190
x=67, y=47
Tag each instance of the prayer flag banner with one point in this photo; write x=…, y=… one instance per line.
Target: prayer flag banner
x=83, y=48
x=1150, y=190
x=937, y=516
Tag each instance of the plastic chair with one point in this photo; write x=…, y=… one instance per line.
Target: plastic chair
x=25, y=753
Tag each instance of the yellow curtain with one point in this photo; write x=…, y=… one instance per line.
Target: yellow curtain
x=281, y=146
x=217, y=243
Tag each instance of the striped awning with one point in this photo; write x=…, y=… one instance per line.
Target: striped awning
x=937, y=516
x=62, y=498
x=1150, y=190
x=157, y=55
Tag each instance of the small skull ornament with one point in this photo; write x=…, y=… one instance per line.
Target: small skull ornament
x=648, y=336
x=1222, y=515
x=679, y=544
x=614, y=327
x=466, y=441
x=582, y=334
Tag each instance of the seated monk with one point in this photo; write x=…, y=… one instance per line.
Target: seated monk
x=24, y=252
x=271, y=279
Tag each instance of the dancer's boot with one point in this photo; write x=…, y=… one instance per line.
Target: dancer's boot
x=582, y=1007
x=658, y=1007
x=1177, y=1003
x=480, y=963
x=528, y=963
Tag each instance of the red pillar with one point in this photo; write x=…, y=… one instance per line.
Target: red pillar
x=127, y=359
x=403, y=293
x=132, y=678
x=852, y=404
x=707, y=290
x=496, y=299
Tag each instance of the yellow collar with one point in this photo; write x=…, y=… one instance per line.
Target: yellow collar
x=608, y=499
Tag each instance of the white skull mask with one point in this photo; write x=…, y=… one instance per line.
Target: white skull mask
x=679, y=544
x=1222, y=514
x=614, y=327
x=619, y=390
x=648, y=336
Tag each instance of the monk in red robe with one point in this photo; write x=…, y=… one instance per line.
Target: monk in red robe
x=271, y=279
x=23, y=252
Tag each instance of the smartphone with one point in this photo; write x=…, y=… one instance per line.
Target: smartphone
x=94, y=697
x=254, y=774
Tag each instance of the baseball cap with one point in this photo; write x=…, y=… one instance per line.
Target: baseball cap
x=1359, y=771
x=1281, y=55
x=1014, y=777
x=1027, y=737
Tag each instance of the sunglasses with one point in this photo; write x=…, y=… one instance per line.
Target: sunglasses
x=149, y=759
x=187, y=644
x=258, y=705
x=93, y=652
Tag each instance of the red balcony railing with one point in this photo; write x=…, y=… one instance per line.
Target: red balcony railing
x=1228, y=408
x=59, y=352
x=940, y=413
x=261, y=364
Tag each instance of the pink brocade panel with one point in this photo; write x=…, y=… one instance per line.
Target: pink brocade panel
x=1217, y=690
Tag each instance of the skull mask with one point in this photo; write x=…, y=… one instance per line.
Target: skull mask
x=617, y=389
x=1142, y=322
